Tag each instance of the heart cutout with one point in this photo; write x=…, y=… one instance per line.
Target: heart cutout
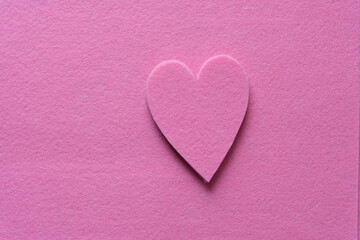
x=199, y=117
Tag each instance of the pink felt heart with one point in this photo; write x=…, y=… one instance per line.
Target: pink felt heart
x=200, y=118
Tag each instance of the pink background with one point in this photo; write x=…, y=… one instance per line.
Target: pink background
x=81, y=158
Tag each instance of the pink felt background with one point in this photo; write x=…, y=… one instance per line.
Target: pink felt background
x=81, y=158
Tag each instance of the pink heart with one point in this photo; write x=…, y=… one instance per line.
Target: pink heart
x=200, y=118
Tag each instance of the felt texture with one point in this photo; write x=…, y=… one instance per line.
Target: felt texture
x=81, y=157
x=200, y=116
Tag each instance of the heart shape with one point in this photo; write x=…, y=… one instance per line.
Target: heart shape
x=200, y=118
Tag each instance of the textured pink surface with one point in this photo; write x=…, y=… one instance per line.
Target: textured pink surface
x=81, y=157
x=200, y=116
